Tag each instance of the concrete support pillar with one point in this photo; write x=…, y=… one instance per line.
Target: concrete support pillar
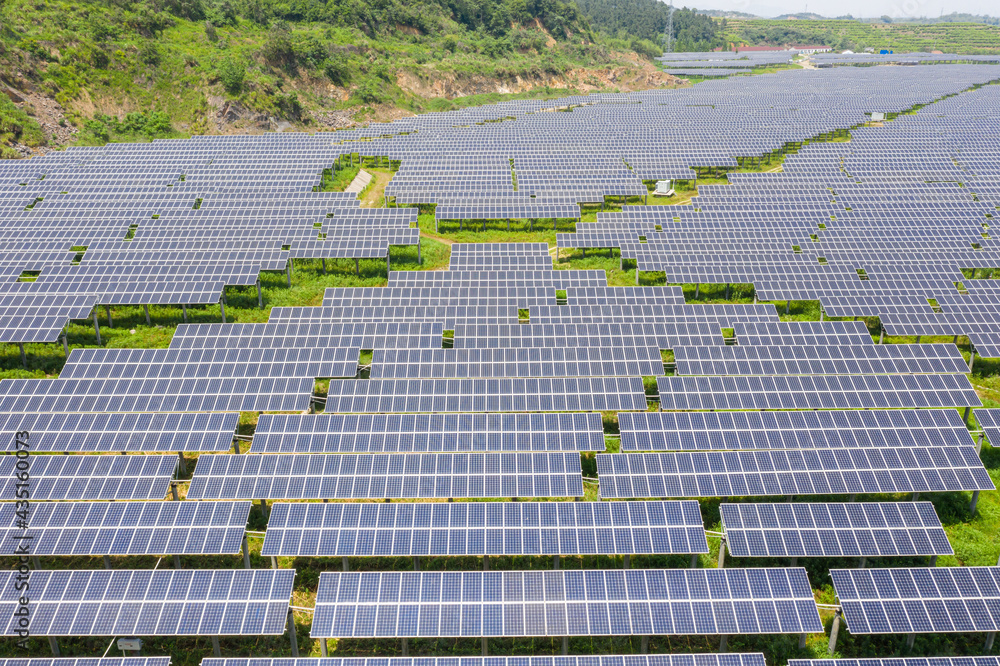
x=565, y=645
x=723, y=643
x=263, y=508
x=107, y=562
x=274, y=562
x=644, y=645
x=862, y=562
x=989, y=642
x=802, y=641
x=975, y=500
x=222, y=308
x=406, y=647
x=722, y=553
x=484, y=650
x=54, y=646
x=216, y=650
x=184, y=312
x=486, y=562
x=834, y=630
x=291, y=634
x=65, y=341
x=177, y=561
x=909, y=641
x=694, y=561
x=345, y=564
x=145, y=308
x=322, y=648
x=181, y=463
x=416, y=563
x=246, y=553
x=555, y=561
x=35, y=562
x=173, y=491
x=625, y=562
x=24, y=359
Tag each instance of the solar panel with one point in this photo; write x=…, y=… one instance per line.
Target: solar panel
x=414, y=433
x=855, y=529
x=803, y=472
x=820, y=360
x=523, y=362
x=816, y=392
x=69, y=477
x=571, y=394
x=565, y=603
x=907, y=661
x=733, y=659
x=392, y=476
x=919, y=600
x=124, y=602
x=127, y=528
x=138, y=433
x=484, y=528
x=833, y=429
x=90, y=661
x=989, y=421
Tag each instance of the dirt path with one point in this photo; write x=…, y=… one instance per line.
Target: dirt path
x=372, y=198
x=439, y=239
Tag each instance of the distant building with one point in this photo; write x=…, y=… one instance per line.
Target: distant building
x=759, y=49
x=812, y=48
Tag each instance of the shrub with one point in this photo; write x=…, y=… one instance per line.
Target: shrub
x=337, y=68
x=231, y=73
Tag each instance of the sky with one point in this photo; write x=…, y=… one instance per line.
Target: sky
x=857, y=8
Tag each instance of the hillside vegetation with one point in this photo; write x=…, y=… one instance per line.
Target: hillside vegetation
x=135, y=69
x=840, y=34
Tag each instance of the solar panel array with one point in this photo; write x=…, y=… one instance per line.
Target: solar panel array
x=886, y=225
x=910, y=601
x=132, y=528
x=488, y=528
x=124, y=602
x=856, y=529
x=564, y=603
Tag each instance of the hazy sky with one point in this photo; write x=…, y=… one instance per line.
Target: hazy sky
x=866, y=8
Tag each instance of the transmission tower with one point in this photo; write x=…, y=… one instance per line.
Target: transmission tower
x=668, y=34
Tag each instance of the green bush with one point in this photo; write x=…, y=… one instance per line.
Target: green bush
x=231, y=72
x=337, y=68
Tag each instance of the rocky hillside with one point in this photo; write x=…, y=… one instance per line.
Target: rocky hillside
x=89, y=72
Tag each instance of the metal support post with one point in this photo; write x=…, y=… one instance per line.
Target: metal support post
x=177, y=561
x=694, y=561
x=216, y=650
x=35, y=562
x=419, y=258
x=406, y=647
x=97, y=328
x=972, y=359
x=357, y=267
x=862, y=562
x=288, y=272
x=918, y=339
x=322, y=648
x=184, y=312
x=387, y=269
x=881, y=334
x=24, y=359
x=246, y=553
x=979, y=444
x=722, y=553
x=416, y=563
x=486, y=562
x=555, y=562
x=968, y=411
x=834, y=630
x=565, y=645
x=644, y=645
x=323, y=259
x=484, y=648
x=291, y=633
x=625, y=562
x=181, y=463
x=989, y=641
x=933, y=561
x=274, y=562
x=915, y=497
x=263, y=508
x=260, y=298
x=697, y=289
x=727, y=291
x=346, y=565
x=145, y=308
x=909, y=641
x=108, y=308
x=107, y=562
x=65, y=341
x=54, y=646
x=723, y=642
x=975, y=500
x=794, y=562
x=222, y=308
x=173, y=491
x=788, y=307
x=802, y=641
